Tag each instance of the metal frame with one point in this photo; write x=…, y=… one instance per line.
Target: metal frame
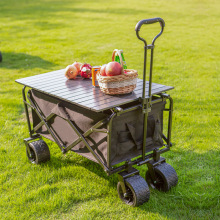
x=117, y=111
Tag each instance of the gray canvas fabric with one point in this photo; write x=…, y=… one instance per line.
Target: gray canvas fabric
x=127, y=129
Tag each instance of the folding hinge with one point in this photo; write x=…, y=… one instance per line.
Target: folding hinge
x=165, y=96
x=118, y=110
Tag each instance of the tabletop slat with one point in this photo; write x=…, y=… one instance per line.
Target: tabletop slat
x=104, y=103
x=138, y=91
x=81, y=92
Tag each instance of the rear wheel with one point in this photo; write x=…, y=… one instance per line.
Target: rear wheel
x=137, y=191
x=38, y=152
x=165, y=177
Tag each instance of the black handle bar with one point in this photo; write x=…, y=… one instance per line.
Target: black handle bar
x=145, y=103
x=149, y=21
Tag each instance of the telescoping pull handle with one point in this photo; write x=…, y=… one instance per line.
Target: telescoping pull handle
x=146, y=47
x=149, y=21
x=146, y=104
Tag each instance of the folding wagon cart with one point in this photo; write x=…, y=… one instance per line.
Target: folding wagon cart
x=116, y=132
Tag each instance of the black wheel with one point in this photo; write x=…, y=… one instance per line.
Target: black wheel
x=137, y=191
x=166, y=177
x=39, y=152
x=0, y=56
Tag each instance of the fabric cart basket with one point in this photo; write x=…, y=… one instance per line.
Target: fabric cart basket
x=127, y=129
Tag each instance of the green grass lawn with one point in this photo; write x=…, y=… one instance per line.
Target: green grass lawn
x=46, y=35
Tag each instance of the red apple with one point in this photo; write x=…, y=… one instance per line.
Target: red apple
x=102, y=70
x=78, y=66
x=113, y=69
x=71, y=72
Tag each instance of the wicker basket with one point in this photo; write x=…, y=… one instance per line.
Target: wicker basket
x=120, y=84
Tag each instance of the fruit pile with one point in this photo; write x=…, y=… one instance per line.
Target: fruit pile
x=85, y=70
x=78, y=69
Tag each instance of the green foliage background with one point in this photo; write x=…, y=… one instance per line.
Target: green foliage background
x=45, y=35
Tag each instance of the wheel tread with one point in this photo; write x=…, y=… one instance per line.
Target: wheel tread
x=41, y=151
x=140, y=188
x=169, y=173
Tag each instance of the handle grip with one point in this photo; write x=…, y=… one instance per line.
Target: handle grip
x=149, y=21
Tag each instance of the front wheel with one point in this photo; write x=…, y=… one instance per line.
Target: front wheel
x=38, y=152
x=137, y=191
x=165, y=177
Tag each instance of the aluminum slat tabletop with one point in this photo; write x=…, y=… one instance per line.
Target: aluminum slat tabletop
x=81, y=92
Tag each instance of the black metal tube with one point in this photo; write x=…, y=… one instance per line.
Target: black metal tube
x=129, y=109
x=88, y=146
x=140, y=38
x=151, y=70
x=26, y=111
x=87, y=133
x=38, y=126
x=144, y=73
x=145, y=62
x=137, y=29
x=51, y=115
x=139, y=161
x=45, y=123
x=150, y=21
x=145, y=132
x=170, y=121
x=134, y=162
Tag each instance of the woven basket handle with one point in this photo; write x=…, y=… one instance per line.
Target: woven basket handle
x=117, y=52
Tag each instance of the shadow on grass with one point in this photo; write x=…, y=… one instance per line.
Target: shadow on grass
x=196, y=190
x=12, y=60
x=80, y=161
